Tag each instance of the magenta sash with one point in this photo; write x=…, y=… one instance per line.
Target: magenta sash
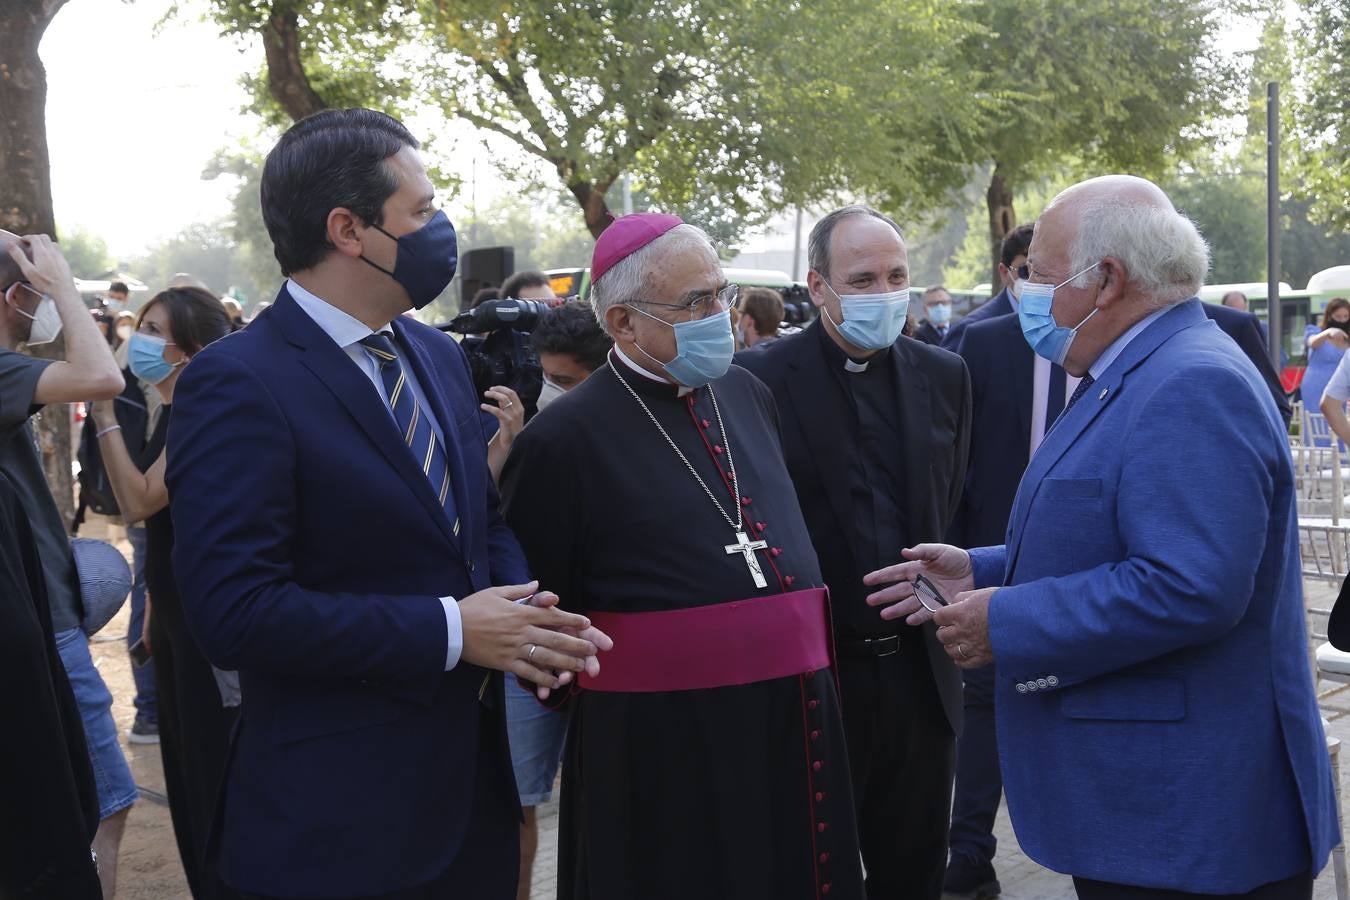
x=714, y=646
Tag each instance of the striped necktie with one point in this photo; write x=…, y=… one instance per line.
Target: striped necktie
x=413, y=421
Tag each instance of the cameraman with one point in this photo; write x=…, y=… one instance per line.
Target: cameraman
x=530, y=285
x=40, y=302
x=571, y=345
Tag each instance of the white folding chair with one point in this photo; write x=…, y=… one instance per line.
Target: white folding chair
x=1319, y=482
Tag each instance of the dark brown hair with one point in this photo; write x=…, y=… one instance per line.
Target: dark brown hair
x=9, y=269
x=196, y=317
x=765, y=309
x=1332, y=306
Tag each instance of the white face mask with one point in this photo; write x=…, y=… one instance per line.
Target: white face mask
x=1016, y=288
x=46, y=321
x=548, y=394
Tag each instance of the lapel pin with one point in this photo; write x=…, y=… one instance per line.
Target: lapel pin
x=1102, y=395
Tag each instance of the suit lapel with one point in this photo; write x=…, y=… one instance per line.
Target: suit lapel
x=331, y=365
x=434, y=389
x=1076, y=420
x=822, y=414
x=915, y=417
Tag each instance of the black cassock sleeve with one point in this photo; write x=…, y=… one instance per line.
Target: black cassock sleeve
x=542, y=504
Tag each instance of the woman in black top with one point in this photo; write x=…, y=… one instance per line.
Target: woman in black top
x=194, y=722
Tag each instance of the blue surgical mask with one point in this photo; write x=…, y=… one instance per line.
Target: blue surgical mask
x=940, y=314
x=703, y=349
x=426, y=259
x=145, y=356
x=871, y=321
x=1046, y=336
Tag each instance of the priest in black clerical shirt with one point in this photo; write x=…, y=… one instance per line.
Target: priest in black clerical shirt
x=876, y=431
x=708, y=758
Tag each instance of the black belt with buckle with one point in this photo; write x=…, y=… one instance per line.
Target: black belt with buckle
x=865, y=647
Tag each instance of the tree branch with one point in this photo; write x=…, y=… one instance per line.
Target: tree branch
x=286, y=78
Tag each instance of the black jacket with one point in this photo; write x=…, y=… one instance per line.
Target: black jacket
x=934, y=399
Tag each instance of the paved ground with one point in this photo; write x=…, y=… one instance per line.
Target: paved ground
x=149, y=867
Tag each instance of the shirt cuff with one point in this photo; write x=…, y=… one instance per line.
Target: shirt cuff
x=454, y=628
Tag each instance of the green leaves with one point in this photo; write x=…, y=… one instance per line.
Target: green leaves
x=1321, y=145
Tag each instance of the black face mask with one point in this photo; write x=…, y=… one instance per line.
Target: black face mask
x=1343, y=326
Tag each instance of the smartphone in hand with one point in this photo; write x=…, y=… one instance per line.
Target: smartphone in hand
x=140, y=653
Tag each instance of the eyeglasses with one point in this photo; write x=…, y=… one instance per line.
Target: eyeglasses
x=1023, y=272
x=704, y=304
x=928, y=594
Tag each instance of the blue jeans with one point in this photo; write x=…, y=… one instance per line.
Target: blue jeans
x=144, y=676
x=112, y=775
x=536, y=734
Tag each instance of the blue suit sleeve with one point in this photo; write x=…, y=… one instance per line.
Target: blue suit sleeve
x=1193, y=511
x=231, y=479
x=987, y=565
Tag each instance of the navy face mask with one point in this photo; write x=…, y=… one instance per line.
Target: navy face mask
x=426, y=259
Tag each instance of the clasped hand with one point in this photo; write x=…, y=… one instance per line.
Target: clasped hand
x=962, y=627
x=535, y=640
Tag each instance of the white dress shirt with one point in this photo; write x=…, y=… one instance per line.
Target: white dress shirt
x=1111, y=353
x=1040, y=397
x=348, y=332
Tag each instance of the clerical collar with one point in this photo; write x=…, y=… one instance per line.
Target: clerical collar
x=836, y=354
x=651, y=383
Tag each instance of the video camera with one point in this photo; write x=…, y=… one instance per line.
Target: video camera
x=798, y=310
x=499, y=349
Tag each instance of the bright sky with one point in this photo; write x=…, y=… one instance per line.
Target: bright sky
x=133, y=116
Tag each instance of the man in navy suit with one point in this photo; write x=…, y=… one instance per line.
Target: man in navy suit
x=1148, y=595
x=338, y=543
x=1012, y=255
x=1016, y=396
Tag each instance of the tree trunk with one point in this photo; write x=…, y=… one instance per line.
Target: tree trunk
x=593, y=206
x=25, y=170
x=286, y=78
x=26, y=202
x=1002, y=220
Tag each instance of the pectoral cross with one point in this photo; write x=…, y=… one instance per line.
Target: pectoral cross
x=747, y=548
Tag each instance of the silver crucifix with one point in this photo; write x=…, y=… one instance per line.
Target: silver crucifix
x=747, y=548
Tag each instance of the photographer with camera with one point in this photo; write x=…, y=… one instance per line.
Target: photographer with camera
x=530, y=285
x=509, y=411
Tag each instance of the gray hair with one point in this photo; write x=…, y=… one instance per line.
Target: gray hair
x=1161, y=249
x=624, y=281
x=818, y=245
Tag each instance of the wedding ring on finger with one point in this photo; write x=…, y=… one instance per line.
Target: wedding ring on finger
x=961, y=648
x=529, y=657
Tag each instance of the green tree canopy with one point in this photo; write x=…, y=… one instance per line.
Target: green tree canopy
x=763, y=104
x=1321, y=142
x=1092, y=86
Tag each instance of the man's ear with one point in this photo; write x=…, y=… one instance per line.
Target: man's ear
x=1114, y=277
x=344, y=231
x=619, y=319
x=815, y=286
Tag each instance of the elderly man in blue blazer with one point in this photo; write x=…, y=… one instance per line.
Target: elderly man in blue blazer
x=1157, y=723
